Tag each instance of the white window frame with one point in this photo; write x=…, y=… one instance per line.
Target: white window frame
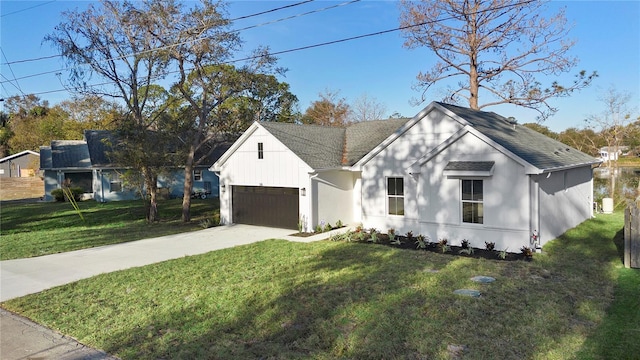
x=464, y=201
x=197, y=175
x=115, y=179
x=396, y=196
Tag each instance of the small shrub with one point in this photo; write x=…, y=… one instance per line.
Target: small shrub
x=526, y=251
x=393, y=239
x=361, y=236
x=328, y=227
x=467, y=251
x=205, y=223
x=503, y=254
x=359, y=228
x=489, y=245
x=339, y=224
x=422, y=242
x=443, y=246
x=410, y=236
x=58, y=194
x=465, y=244
x=374, y=235
x=318, y=229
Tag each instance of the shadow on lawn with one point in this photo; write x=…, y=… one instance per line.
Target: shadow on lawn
x=357, y=301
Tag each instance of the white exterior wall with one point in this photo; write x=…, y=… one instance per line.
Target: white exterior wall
x=565, y=200
x=394, y=161
x=334, y=193
x=506, y=202
x=279, y=168
x=433, y=202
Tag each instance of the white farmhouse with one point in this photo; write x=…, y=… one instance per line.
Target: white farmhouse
x=449, y=172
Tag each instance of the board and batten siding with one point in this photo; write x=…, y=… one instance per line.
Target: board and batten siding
x=393, y=161
x=506, y=204
x=279, y=167
x=432, y=201
x=565, y=200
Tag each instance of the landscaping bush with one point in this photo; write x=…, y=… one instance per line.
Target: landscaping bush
x=58, y=194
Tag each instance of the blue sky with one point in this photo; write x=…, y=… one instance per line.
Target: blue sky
x=607, y=35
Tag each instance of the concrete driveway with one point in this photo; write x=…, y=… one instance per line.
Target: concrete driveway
x=27, y=276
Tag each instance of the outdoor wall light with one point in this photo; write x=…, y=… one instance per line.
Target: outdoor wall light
x=303, y=192
x=223, y=187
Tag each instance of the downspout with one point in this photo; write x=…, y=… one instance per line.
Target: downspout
x=534, y=225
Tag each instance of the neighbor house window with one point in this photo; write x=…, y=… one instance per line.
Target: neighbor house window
x=115, y=183
x=472, y=211
x=395, y=195
x=260, y=151
x=197, y=175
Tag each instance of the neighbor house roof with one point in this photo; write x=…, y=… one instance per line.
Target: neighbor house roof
x=69, y=154
x=25, y=152
x=324, y=147
x=529, y=145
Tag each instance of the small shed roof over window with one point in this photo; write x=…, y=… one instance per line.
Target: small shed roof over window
x=469, y=168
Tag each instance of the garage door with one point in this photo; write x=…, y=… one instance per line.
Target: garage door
x=265, y=206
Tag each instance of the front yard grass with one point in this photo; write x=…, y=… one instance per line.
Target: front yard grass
x=34, y=229
x=328, y=300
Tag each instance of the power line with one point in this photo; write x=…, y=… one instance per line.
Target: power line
x=198, y=39
x=29, y=8
x=327, y=43
x=231, y=20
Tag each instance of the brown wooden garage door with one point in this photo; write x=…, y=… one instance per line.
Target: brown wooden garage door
x=265, y=206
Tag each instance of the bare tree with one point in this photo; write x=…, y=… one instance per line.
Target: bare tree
x=366, y=108
x=329, y=110
x=113, y=41
x=500, y=47
x=612, y=126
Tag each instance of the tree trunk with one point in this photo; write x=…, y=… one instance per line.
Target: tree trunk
x=188, y=186
x=151, y=183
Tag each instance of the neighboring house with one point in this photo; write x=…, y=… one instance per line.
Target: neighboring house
x=22, y=164
x=86, y=164
x=610, y=153
x=449, y=172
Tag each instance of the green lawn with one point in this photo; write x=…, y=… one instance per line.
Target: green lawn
x=328, y=300
x=34, y=229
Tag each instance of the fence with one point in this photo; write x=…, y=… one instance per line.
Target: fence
x=632, y=237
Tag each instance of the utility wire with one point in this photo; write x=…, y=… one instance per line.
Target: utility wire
x=377, y=33
x=29, y=8
x=198, y=39
x=231, y=20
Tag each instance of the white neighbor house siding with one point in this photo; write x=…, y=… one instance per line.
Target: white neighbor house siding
x=565, y=200
x=432, y=201
x=279, y=167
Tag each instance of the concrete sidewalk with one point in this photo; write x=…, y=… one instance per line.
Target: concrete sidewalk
x=21, y=338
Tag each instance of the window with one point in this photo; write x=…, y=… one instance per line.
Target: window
x=472, y=201
x=260, y=151
x=197, y=175
x=115, y=184
x=395, y=195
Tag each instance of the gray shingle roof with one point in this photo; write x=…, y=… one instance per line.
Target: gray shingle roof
x=70, y=154
x=320, y=147
x=536, y=149
x=469, y=165
x=324, y=147
x=364, y=136
x=99, y=144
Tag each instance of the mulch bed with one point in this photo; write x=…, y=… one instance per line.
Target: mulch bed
x=383, y=240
